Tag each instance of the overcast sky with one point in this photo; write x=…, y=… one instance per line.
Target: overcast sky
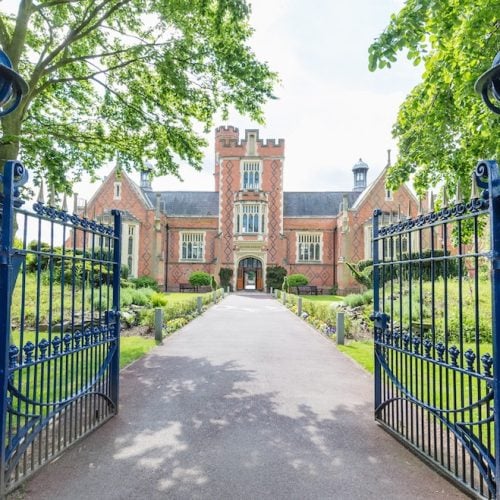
x=330, y=110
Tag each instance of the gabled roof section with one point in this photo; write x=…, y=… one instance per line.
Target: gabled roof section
x=366, y=193
x=135, y=188
x=187, y=203
x=315, y=204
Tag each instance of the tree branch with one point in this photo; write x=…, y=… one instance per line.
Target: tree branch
x=40, y=6
x=88, y=57
x=4, y=33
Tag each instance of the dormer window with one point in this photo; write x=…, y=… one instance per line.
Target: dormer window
x=251, y=175
x=117, y=192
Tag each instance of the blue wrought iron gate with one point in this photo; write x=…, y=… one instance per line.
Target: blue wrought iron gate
x=437, y=332
x=59, y=328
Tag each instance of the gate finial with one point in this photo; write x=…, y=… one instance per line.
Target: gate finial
x=40, y=198
x=474, y=191
x=445, y=197
x=458, y=194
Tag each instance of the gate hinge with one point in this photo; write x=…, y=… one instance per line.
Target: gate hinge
x=381, y=321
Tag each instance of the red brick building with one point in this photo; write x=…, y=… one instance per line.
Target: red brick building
x=247, y=222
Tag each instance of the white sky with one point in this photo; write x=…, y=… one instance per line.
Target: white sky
x=330, y=109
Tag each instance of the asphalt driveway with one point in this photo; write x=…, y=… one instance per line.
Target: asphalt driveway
x=246, y=402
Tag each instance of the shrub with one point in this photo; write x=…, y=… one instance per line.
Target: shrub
x=225, y=275
x=200, y=278
x=146, y=282
x=158, y=299
x=126, y=297
x=124, y=272
x=296, y=280
x=140, y=298
x=213, y=283
x=354, y=300
x=275, y=276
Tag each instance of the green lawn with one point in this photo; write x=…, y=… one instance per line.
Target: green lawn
x=361, y=352
x=132, y=348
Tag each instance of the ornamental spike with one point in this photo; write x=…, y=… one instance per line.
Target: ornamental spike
x=40, y=198
x=445, y=197
x=474, y=191
x=458, y=194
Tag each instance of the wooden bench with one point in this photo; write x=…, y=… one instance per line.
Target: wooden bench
x=307, y=290
x=187, y=287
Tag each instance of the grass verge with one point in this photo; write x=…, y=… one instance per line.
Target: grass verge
x=132, y=348
x=361, y=352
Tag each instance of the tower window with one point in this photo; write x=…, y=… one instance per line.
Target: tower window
x=388, y=194
x=250, y=218
x=251, y=175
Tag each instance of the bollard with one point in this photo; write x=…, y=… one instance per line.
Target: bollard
x=199, y=304
x=228, y=290
x=158, y=324
x=340, y=328
x=284, y=297
x=271, y=290
x=214, y=297
x=299, y=307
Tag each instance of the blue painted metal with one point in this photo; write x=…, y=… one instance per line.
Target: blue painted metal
x=59, y=341
x=12, y=86
x=437, y=384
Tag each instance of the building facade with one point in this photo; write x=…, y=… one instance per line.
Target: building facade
x=248, y=222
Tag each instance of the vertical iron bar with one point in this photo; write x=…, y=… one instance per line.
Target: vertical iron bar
x=115, y=364
x=376, y=304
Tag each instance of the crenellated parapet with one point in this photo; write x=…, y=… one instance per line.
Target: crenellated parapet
x=228, y=143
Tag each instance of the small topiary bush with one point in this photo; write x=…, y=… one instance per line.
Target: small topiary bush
x=200, y=278
x=225, y=275
x=275, y=276
x=296, y=280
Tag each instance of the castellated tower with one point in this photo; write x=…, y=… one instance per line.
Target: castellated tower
x=249, y=178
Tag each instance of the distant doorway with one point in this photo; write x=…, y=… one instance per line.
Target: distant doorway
x=250, y=274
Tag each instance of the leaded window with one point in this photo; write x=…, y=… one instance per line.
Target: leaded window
x=309, y=247
x=250, y=218
x=251, y=175
x=192, y=246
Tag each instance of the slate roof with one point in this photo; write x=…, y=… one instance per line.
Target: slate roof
x=206, y=203
x=315, y=204
x=187, y=203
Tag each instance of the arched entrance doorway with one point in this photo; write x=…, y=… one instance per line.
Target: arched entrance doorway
x=250, y=274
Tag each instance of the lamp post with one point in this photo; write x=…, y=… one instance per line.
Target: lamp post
x=12, y=86
x=488, y=85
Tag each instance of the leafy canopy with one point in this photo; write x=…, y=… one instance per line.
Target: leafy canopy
x=131, y=79
x=443, y=128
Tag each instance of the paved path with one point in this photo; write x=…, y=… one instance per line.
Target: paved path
x=246, y=402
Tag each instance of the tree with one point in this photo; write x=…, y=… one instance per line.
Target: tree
x=443, y=127
x=126, y=79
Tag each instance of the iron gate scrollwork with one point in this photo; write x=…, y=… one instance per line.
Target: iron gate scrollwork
x=59, y=328
x=436, y=284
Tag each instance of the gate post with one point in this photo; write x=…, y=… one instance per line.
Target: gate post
x=117, y=259
x=376, y=306
x=6, y=240
x=490, y=169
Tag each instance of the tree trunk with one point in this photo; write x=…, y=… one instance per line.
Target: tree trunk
x=9, y=142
